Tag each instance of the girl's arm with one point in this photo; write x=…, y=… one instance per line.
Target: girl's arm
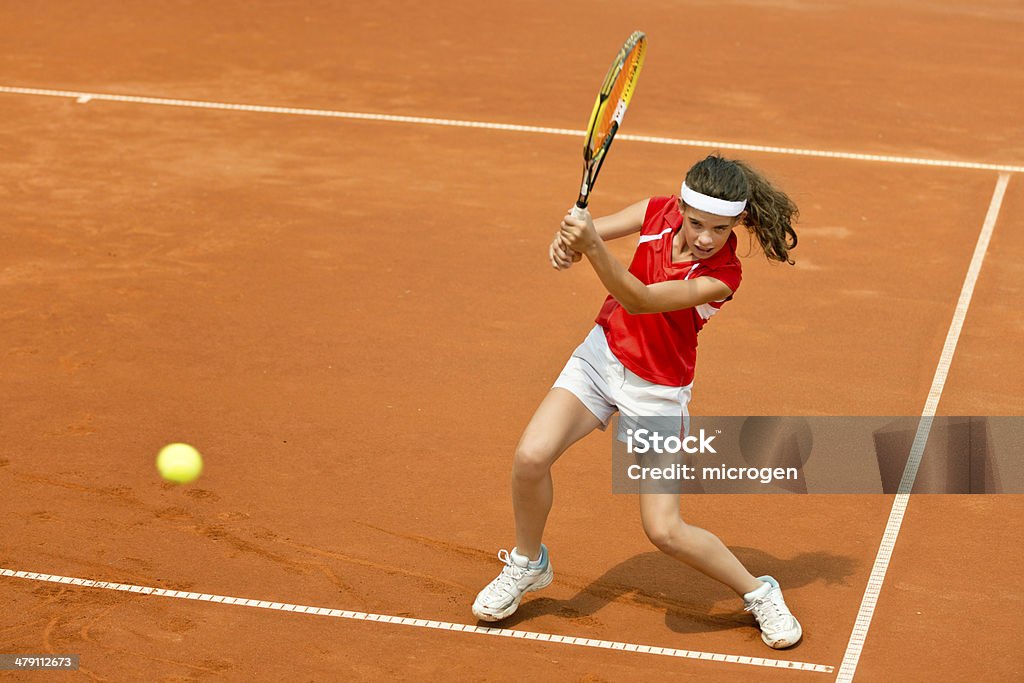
x=616, y=225
x=634, y=295
x=622, y=223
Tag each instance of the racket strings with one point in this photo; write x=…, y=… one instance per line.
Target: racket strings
x=610, y=107
x=615, y=95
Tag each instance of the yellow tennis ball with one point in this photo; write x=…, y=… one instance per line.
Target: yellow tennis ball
x=180, y=463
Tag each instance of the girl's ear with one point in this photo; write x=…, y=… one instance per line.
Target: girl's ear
x=741, y=219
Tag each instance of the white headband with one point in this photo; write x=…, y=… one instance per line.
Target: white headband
x=703, y=202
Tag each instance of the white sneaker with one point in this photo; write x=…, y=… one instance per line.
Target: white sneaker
x=779, y=628
x=501, y=597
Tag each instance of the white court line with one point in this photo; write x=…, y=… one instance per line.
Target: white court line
x=85, y=97
x=423, y=623
x=899, y=507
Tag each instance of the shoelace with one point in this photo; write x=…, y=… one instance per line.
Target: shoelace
x=512, y=572
x=766, y=611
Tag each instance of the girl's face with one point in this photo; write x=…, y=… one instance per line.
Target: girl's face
x=704, y=232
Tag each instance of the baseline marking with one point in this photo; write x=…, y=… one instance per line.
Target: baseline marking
x=84, y=97
x=899, y=507
x=422, y=623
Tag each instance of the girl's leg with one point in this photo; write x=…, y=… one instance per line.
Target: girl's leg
x=704, y=552
x=560, y=421
x=698, y=548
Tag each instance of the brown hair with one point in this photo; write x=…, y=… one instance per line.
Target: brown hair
x=770, y=212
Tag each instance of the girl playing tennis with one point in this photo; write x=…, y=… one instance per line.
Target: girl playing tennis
x=639, y=360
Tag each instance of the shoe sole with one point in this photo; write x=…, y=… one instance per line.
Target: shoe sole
x=510, y=610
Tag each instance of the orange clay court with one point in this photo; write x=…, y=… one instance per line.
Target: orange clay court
x=353, y=318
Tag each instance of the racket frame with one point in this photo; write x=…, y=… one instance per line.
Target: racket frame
x=593, y=158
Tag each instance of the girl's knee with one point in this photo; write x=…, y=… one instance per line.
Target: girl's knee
x=670, y=535
x=532, y=461
x=660, y=535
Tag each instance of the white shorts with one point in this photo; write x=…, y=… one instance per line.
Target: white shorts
x=597, y=378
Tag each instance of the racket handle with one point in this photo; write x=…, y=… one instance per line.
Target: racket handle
x=578, y=212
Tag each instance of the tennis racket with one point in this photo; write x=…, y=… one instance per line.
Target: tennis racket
x=610, y=107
